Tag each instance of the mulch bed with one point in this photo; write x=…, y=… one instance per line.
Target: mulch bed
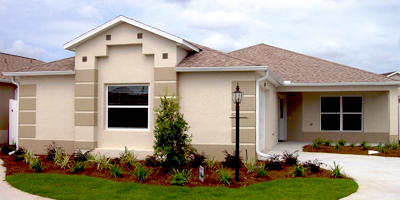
x=158, y=177
x=357, y=150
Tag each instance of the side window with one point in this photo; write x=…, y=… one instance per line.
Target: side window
x=341, y=113
x=127, y=106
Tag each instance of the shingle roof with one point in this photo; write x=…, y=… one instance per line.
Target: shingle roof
x=208, y=57
x=300, y=68
x=10, y=62
x=66, y=64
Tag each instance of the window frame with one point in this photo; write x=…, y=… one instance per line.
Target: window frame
x=128, y=106
x=341, y=113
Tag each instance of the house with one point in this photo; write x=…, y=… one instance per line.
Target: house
x=104, y=97
x=9, y=62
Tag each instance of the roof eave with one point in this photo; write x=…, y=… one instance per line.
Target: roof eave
x=73, y=43
x=221, y=69
x=344, y=84
x=5, y=81
x=39, y=73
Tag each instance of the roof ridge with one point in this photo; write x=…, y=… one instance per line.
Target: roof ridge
x=20, y=56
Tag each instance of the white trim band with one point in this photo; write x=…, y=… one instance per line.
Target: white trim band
x=38, y=73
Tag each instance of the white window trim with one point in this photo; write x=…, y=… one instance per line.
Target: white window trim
x=341, y=113
x=142, y=106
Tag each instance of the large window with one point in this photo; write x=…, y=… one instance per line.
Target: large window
x=341, y=113
x=127, y=106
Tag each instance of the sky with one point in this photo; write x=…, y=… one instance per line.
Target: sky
x=360, y=33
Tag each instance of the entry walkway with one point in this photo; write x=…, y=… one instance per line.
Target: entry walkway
x=377, y=177
x=7, y=192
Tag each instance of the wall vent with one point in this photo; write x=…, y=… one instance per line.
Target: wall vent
x=84, y=59
x=165, y=55
x=108, y=37
x=139, y=35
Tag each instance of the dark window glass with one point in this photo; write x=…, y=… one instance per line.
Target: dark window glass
x=352, y=122
x=128, y=95
x=127, y=117
x=352, y=104
x=330, y=104
x=330, y=122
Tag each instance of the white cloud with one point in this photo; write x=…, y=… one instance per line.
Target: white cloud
x=221, y=42
x=18, y=47
x=89, y=12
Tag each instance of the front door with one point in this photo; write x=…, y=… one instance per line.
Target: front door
x=282, y=118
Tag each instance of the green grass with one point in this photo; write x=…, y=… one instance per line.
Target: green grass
x=83, y=187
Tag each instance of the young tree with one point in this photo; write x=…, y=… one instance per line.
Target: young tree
x=172, y=143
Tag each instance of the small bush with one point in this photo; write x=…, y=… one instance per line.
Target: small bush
x=6, y=150
x=261, y=170
x=180, y=178
x=28, y=156
x=337, y=171
x=250, y=165
x=313, y=165
x=328, y=143
x=224, y=175
x=36, y=165
x=353, y=144
x=315, y=145
x=197, y=159
x=115, y=170
x=19, y=154
x=319, y=141
x=230, y=159
x=63, y=163
x=381, y=148
x=290, y=159
x=338, y=146
x=395, y=145
x=51, y=151
x=210, y=161
x=128, y=158
x=299, y=171
x=274, y=163
x=83, y=157
x=101, y=161
x=342, y=142
x=78, y=166
x=151, y=161
x=141, y=172
x=58, y=155
x=365, y=145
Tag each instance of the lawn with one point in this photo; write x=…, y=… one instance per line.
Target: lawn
x=59, y=186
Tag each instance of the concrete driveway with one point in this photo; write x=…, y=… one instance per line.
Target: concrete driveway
x=377, y=177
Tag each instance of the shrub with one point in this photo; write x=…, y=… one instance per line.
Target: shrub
x=63, y=163
x=353, y=144
x=342, y=142
x=141, y=172
x=250, y=165
x=19, y=154
x=5, y=150
x=274, y=163
x=290, y=158
x=128, y=158
x=318, y=141
x=172, y=143
x=115, y=170
x=151, y=161
x=337, y=171
x=83, y=157
x=51, y=151
x=365, y=145
x=28, y=156
x=313, y=165
x=261, y=170
x=101, y=161
x=315, y=144
x=328, y=142
x=338, y=146
x=230, y=159
x=395, y=145
x=36, y=165
x=210, y=161
x=224, y=175
x=381, y=148
x=180, y=178
x=197, y=159
x=58, y=156
x=299, y=171
x=78, y=166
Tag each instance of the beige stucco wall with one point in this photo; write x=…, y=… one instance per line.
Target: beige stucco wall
x=54, y=106
x=6, y=93
x=124, y=65
x=271, y=115
x=376, y=123
x=207, y=106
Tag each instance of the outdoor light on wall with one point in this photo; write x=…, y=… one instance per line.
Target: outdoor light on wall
x=237, y=97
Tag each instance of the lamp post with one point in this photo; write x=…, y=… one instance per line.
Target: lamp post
x=237, y=97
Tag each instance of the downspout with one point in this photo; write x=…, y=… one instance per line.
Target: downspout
x=258, y=116
x=16, y=97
